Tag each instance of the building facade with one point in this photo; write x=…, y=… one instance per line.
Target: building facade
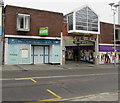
x=81, y=41
x=106, y=43
x=40, y=37
x=32, y=36
x=88, y=39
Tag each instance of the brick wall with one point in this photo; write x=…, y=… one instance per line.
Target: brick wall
x=107, y=33
x=38, y=18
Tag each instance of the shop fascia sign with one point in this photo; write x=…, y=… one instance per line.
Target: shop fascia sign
x=80, y=42
x=43, y=31
x=84, y=38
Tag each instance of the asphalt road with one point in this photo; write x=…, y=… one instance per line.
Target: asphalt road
x=61, y=84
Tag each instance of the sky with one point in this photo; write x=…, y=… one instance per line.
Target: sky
x=100, y=7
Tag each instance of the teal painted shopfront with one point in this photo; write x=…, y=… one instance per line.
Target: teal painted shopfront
x=33, y=51
x=19, y=54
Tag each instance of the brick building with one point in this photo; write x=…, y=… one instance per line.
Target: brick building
x=32, y=36
x=36, y=37
x=106, y=43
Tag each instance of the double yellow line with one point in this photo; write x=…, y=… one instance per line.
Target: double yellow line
x=26, y=79
x=48, y=100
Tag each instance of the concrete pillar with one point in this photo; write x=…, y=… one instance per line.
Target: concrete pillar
x=62, y=50
x=96, y=62
x=6, y=51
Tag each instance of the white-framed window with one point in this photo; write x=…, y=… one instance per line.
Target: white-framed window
x=83, y=21
x=87, y=20
x=70, y=22
x=23, y=22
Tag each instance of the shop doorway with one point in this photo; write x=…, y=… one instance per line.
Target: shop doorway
x=75, y=55
x=39, y=54
x=83, y=53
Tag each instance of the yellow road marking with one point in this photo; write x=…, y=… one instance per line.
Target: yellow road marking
x=48, y=100
x=22, y=79
x=53, y=93
x=33, y=80
x=27, y=79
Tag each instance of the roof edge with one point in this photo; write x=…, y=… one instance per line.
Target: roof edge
x=15, y=6
x=81, y=7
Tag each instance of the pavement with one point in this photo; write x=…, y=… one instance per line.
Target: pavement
x=71, y=65
x=68, y=65
x=108, y=96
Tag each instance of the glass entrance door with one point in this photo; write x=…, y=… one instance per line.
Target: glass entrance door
x=46, y=55
x=39, y=54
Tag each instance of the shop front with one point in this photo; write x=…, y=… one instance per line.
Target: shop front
x=80, y=50
x=32, y=51
x=81, y=53
x=107, y=54
x=81, y=42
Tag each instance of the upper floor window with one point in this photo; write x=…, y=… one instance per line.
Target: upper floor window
x=83, y=21
x=87, y=20
x=117, y=34
x=23, y=22
x=70, y=22
x=65, y=19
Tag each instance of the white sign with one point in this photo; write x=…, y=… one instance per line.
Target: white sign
x=24, y=53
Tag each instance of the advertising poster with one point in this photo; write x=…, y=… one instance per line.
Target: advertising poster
x=109, y=57
x=70, y=55
x=87, y=55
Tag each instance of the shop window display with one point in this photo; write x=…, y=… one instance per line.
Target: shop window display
x=87, y=55
x=84, y=55
x=69, y=55
x=109, y=57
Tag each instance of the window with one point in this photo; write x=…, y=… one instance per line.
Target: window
x=23, y=22
x=86, y=20
x=65, y=19
x=70, y=22
x=117, y=34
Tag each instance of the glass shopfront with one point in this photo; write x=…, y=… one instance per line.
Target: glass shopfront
x=33, y=51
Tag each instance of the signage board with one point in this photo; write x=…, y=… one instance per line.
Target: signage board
x=80, y=42
x=43, y=31
x=33, y=41
x=85, y=38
